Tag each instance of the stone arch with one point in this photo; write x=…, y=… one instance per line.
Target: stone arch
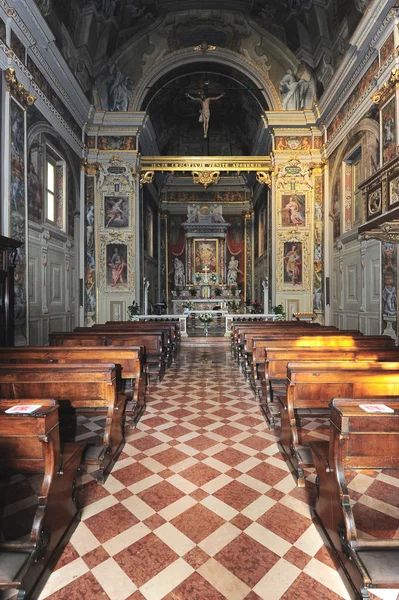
x=366, y=125
x=223, y=56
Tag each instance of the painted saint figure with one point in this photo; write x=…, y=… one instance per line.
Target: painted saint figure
x=296, y=215
x=117, y=265
x=205, y=110
x=293, y=265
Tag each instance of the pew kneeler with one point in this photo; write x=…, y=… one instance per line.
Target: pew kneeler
x=358, y=441
x=30, y=443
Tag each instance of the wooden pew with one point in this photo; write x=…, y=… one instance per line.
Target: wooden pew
x=274, y=380
x=168, y=331
x=92, y=388
x=252, y=352
x=324, y=337
x=173, y=326
x=239, y=331
x=30, y=443
x=358, y=440
x=155, y=348
x=130, y=360
x=310, y=388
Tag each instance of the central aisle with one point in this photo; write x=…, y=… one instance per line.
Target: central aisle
x=200, y=505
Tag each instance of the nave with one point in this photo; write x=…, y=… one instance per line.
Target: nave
x=201, y=505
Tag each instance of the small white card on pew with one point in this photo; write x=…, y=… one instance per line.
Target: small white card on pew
x=23, y=409
x=376, y=408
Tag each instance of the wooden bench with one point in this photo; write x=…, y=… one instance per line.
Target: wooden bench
x=358, y=440
x=239, y=330
x=300, y=339
x=274, y=380
x=310, y=388
x=30, y=443
x=90, y=388
x=137, y=327
x=155, y=348
x=130, y=360
x=174, y=328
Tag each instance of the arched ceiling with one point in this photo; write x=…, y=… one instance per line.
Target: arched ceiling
x=234, y=118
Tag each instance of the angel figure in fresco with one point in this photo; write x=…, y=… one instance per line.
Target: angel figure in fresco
x=205, y=110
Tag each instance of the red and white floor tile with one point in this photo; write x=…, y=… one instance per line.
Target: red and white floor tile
x=201, y=505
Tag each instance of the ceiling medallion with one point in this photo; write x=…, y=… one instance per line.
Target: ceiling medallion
x=204, y=47
x=206, y=177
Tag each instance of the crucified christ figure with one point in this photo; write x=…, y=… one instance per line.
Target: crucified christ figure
x=205, y=111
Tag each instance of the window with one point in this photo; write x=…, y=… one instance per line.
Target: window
x=50, y=190
x=55, y=188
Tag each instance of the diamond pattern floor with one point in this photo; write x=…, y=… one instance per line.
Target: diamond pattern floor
x=201, y=505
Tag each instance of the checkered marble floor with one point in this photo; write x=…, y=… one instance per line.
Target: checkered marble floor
x=201, y=505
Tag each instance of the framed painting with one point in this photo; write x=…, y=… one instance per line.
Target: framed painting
x=374, y=203
x=388, y=131
x=117, y=266
x=206, y=256
x=293, y=263
x=293, y=210
x=394, y=190
x=116, y=212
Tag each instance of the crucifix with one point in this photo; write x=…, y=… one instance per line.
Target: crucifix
x=206, y=269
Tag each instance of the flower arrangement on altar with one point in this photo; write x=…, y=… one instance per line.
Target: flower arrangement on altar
x=189, y=305
x=133, y=310
x=256, y=307
x=205, y=318
x=279, y=312
x=197, y=277
x=214, y=278
x=234, y=306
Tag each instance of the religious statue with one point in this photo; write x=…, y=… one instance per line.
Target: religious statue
x=205, y=110
x=179, y=272
x=232, y=271
x=44, y=7
x=107, y=7
x=293, y=91
x=114, y=90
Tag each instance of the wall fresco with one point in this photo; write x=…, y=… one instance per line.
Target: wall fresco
x=318, y=248
x=387, y=48
x=17, y=216
x=358, y=91
x=90, y=256
x=109, y=142
x=389, y=287
x=388, y=126
x=48, y=91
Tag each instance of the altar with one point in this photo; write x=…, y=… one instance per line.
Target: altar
x=198, y=305
x=205, y=272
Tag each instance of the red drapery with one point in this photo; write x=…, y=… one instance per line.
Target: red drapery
x=235, y=249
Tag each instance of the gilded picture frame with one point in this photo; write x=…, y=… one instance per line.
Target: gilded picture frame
x=206, y=254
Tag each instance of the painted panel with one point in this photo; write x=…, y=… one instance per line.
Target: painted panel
x=17, y=216
x=388, y=128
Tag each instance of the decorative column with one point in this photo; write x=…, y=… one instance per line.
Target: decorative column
x=363, y=265
x=248, y=254
x=112, y=270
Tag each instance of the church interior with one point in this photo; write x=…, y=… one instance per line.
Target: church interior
x=199, y=373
